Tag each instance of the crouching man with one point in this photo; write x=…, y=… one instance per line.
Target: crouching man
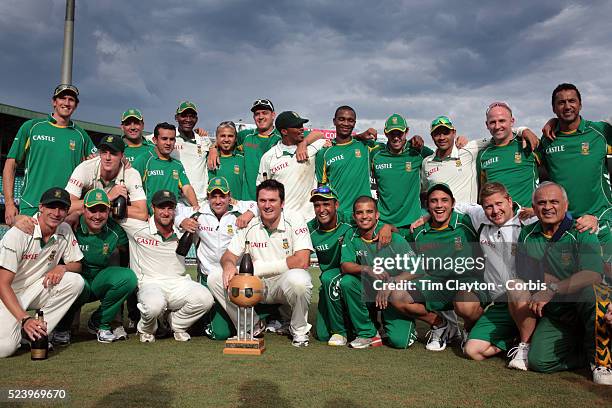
x=280, y=246
x=163, y=283
x=30, y=277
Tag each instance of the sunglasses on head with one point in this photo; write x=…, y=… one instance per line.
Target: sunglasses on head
x=321, y=190
x=263, y=102
x=498, y=104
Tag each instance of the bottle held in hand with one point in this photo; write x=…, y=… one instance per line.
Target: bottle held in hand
x=39, y=348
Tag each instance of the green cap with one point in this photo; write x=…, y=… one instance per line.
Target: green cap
x=185, y=105
x=441, y=121
x=62, y=88
x=442, y=187
x=396, y=122
x=55, y=195
x=163, y=196
x=113, y=142
x=95, y=197
x=289, y=119
x=324, y=192
x=131, y=113
x=218, y=183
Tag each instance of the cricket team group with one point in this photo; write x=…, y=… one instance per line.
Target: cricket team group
x=500, y=262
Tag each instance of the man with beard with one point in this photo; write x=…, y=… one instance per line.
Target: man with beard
x=231, y=161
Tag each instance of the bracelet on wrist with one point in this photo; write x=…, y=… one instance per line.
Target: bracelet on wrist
x=24, y=320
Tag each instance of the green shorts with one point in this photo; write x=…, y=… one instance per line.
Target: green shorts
x=495, y=326
x=438, y=295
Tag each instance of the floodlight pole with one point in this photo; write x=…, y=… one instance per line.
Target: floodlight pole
x=68, y=43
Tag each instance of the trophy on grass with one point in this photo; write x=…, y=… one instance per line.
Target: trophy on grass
x=245, y=291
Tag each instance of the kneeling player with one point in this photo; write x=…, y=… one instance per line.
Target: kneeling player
x=359, y=253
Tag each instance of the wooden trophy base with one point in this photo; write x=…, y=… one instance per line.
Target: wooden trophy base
x=254, y=347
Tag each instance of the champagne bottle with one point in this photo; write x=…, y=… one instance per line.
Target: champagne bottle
x=246, y=264
x=186, y=240
x=40, y=347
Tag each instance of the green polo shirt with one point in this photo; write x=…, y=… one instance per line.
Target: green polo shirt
x=452, y=244
x=573, y=252
x=50, y=153
x=398, y=177
x=133, y=152
x=328, y=243
x=98, y=248
x=253, y=146
x=577, y=161
x=513, y=166
x=363, y=252
x=160, y=174
x=346, y=168
x=232, y=168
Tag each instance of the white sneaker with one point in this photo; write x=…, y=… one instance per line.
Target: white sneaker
x=519, y=357
x=182, y=336
x=438, y=336
x=602, y=375
x=105, y=336
x=120, y=333
x=337, y=340
x=273, y=326
x=300, y=341
x=146, y=337
x=365, y=342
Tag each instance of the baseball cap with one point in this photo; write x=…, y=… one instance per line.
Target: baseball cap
x=289, y=119
x=262, y=104
x=131, y=113
x=163, y=196
x=61, y=88
x=218, y=183
x=441, y=121
x=395, y=122
x=325, y=192
x=95, y=197
x=185, y=105
x=441, y=187
x=113, y=142
x=55, y=195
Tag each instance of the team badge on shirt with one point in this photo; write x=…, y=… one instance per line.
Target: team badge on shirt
x=585, y=148
x=51, y=257
x=72, y=145
x=236, y=169
x=517, y=157
x=105, y=249
x=175, y=174
x=230, y=229
x=408, y=166
x=458, y=162
x=358, y=153
x=458, y=244
x=566, y=257
x=285, y=243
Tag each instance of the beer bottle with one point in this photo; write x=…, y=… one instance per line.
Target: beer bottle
x=186, y=240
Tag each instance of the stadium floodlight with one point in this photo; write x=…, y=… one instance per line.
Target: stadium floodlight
x=68, y=44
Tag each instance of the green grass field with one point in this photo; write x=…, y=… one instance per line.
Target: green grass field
x=197, y=374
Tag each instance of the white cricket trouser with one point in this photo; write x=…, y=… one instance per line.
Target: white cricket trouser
x=292, y=288
x=54, y=301
x=187, y=300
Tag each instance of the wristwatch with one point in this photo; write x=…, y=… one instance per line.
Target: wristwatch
x=553, y=287
x=25, y=319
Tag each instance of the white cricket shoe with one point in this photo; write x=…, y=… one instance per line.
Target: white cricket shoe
x=602, y=375
x=337, y=340
x=120, y=333
x=519, y=357
x=146, y=337
x=438, y=336
x=182, y=336
x=105, y=336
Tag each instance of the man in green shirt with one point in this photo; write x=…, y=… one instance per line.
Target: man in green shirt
x=505, y=160
x=452, y=270
x=397, y=171
x=576, y=159
x=566, y=265
x=50, y=148
x=98, y=237
x=359, y=256
x=132, y=125
x=231, y=162
x=159, y=171
x=327, y=234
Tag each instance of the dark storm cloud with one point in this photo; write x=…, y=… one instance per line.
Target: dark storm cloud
x=417, y=58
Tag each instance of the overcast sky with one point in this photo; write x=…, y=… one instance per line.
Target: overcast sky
x=417, y=58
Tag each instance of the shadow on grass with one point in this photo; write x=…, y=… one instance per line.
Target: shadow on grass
x=341, y=403
x=261, y=394
x=151, y=393
x=604, y=392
